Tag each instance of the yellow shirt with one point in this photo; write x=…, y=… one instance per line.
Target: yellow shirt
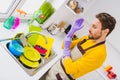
x=91, y=60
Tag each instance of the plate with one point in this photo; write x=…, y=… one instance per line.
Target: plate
x=31, y=54
x=29, y=63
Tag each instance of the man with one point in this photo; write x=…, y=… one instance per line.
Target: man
x=85, y=54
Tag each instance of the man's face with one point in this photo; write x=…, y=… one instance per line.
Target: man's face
x=95, y=31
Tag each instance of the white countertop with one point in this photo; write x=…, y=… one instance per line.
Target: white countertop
x=10, y=69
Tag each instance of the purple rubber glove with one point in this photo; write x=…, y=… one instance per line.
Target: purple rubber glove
x=76, y=26
x=68, y=39
x=67, y=43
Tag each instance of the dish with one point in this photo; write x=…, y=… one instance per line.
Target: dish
x=31, y=54
x=28, y=63
x=15, y=48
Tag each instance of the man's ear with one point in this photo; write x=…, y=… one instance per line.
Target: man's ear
x=105, y=31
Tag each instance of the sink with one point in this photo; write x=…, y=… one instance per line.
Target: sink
x=30, y=71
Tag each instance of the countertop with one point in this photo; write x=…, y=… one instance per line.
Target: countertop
x=10, y=69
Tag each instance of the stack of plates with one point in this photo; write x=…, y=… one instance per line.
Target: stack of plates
x=30, y=57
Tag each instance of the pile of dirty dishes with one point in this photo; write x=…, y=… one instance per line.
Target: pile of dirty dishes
x=28, y=56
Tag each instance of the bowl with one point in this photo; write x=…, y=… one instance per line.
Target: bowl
x=15, y=48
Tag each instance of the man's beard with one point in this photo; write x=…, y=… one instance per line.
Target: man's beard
x=94, y=38
x=90, y=37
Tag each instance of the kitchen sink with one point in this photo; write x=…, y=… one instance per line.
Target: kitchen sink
x=30, y=71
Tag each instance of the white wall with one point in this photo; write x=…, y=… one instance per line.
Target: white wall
x=112, y=7
x=113, y=44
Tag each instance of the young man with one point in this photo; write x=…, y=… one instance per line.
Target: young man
x=85, y=54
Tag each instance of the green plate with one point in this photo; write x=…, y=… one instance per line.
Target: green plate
x=31, y=54
x=29, y=63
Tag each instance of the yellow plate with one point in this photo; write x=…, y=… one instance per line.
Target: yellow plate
x=31, y=54
x=29, y=63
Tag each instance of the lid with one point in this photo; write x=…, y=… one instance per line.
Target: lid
x=31, y=54
x=29, y=63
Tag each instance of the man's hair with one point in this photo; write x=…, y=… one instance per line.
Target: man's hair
x=107, y=21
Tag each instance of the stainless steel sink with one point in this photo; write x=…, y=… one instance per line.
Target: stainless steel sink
x=29, y=71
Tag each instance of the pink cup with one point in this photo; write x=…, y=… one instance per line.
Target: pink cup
x=16, y=23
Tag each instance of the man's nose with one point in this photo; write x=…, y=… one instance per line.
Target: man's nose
x=90, y=29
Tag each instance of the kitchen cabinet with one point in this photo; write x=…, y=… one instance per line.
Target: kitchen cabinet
x=78, y=6
x=64, y=13
x=75, y=6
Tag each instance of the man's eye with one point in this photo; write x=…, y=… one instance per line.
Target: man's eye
x=94, y=26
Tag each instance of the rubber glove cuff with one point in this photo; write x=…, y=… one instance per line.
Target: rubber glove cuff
x=66, y=53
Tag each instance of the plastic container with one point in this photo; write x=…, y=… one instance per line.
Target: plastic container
x=46, y=10
x=15, y=48
x=16, y=23
x=9, y=22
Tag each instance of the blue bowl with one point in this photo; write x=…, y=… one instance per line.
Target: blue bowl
x=15, y=48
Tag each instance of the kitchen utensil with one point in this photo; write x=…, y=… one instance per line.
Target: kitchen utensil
x=7, y=39
x=9, y=22
x=17, y=36
x=15, y=48
x=40, y=49
x=36, y=38
x=31, y=54
x=28, y=63
x=33, y=27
